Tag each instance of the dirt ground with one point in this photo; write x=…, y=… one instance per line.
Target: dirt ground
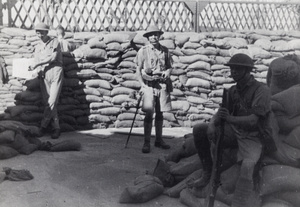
x=92, y=177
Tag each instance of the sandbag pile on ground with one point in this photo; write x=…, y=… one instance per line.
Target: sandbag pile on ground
x=100, y=88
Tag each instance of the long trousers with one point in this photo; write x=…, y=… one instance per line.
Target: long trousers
x=51, y=86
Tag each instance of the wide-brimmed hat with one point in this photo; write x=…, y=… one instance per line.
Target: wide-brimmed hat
x=240, y=59
x=41, y=26
x=152, y=29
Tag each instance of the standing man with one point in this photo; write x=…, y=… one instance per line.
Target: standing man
x=64, y=44
x=247, y=126
x=154, y=65
x=48, y=61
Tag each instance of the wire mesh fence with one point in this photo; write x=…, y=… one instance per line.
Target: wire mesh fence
x=170, y=15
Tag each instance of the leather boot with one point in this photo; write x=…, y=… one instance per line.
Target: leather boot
x=147, y=138
x=159, y=142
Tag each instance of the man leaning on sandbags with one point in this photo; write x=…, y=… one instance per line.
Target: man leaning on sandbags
x=49, y=62
x=154, y=65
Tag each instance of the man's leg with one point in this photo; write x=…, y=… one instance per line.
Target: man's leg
x=159, y=119
x=202, y=145
x=55, y=89
x=147, y=132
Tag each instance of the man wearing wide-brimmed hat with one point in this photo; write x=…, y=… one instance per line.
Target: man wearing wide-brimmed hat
x=48, y=61
x=154, y=65
x=247, y=127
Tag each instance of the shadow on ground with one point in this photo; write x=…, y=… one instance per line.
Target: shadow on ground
x=92, y=177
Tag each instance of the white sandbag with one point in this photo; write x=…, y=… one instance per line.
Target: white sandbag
x=129, y=116
x=119, y=99
x=193, y=58
x=98, y=118
x=180, y=105
x=199, y=65
x=120, y=37
x=197, y=82
x=264, y=44
x=97, y=83
x=168, y=43
x=222, y=34
x=280, y=46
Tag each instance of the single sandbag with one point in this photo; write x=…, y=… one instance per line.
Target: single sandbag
x=279, y=178
x=185, y=167
x=293, y=138
x=143, y=189
x=197, y=82
x=187, y=198
x=174, y=192
x=7, y=152
x=7, y=136
x=288, y=100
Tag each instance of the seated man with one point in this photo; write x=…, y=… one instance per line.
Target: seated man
x=246, y=124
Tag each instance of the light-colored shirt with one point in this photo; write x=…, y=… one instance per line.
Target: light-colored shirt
x=152, y=59
x=45, y=50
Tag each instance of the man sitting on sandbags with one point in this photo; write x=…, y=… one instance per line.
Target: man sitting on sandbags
x=247, y=120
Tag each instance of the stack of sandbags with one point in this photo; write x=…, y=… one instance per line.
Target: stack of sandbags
x=17, y=138
x=104, y=62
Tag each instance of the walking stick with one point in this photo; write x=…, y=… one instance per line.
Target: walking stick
x=137, y=108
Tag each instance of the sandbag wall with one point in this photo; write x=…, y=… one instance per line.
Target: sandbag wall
x=100, y=88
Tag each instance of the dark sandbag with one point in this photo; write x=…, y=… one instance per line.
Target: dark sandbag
x=17, y=175
x=7, y=152
x=162, y=172
x=185, y=167
x=187, y=149
x=19, y=142
x=293, y=197
x=286, y=154
x=67, y=145
x=287, y=101
x=174, y=192
x=276, y=202
x=279, y=178
x=144, y=188
x=293, y=138
x=7, y=136
x=187, y=198
x=28, y=149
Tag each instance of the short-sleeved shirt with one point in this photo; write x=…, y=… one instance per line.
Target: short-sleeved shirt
x=152, y=59
x=44, y=50
x=251, y=98
x=65, y=45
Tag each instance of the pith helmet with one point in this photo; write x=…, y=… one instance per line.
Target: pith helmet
x=42, y=26
x=240, y=59
x=152, y=29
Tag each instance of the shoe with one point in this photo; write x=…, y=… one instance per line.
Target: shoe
x=55, y=134
x=161, y=144
x=146, y=148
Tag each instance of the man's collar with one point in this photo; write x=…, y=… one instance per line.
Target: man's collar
x=245, y=82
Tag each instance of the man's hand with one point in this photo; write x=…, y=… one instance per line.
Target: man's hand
x=223, y=113
x=211, y=132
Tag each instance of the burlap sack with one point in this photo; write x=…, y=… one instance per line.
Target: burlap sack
x=7, y=152
x=143, y=189
x=279, y=178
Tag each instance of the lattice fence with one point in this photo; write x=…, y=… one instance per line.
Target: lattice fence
x=172, y=15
